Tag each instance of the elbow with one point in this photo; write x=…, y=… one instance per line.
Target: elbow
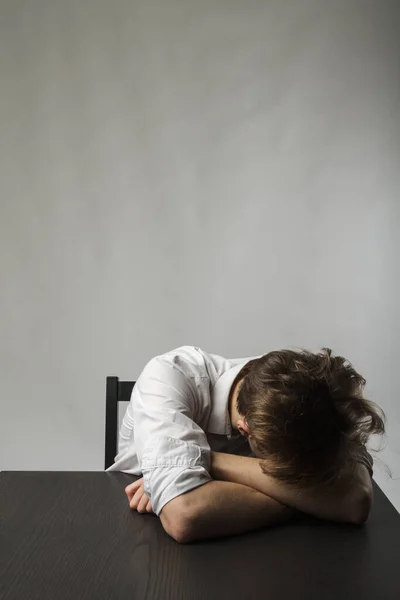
x=182, y=533
x=182, y=529
x=179, y=523
x=361, y=508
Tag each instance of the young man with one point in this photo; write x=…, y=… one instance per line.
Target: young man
x=305, y=420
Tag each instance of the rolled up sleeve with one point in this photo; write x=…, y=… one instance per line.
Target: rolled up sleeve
x=173, y=451
x=172, y=467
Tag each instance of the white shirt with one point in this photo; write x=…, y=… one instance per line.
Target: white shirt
x=179, y=398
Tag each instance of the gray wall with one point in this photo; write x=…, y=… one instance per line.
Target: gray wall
x=219, y=173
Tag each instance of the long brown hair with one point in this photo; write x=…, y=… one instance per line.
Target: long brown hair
x=307, y=415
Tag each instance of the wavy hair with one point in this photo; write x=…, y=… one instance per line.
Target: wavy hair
x=307, y=416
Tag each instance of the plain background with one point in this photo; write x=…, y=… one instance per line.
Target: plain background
x=218, y=173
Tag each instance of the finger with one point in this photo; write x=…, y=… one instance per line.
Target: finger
x=136, y=497
x=141, y=507
x=149, y=507
x=131, y=491
x=132, y=487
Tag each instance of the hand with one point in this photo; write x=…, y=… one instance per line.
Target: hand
x=137, y=497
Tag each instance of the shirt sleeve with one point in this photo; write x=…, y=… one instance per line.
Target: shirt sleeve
x=172, y=449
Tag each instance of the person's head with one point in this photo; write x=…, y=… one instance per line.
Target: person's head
x=305, y=415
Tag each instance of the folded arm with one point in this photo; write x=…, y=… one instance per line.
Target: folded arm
x=348, y=501
x=174, y=458
x=220, y=508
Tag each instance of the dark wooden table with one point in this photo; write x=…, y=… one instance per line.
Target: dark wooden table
x=71, y=535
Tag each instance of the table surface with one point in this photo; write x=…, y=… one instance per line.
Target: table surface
x=72, y=535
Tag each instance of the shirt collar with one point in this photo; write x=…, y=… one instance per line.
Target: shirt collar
x=220, y=422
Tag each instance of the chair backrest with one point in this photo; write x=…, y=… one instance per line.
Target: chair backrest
x=116, y=391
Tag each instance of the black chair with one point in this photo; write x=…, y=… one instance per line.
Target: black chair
x=116, y=391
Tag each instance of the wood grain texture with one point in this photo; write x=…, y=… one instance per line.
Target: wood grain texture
x=72, y=535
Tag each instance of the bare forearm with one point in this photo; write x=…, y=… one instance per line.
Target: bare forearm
x=339, y=503
x=220, y=508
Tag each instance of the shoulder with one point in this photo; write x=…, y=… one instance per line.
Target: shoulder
x=190, y=361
